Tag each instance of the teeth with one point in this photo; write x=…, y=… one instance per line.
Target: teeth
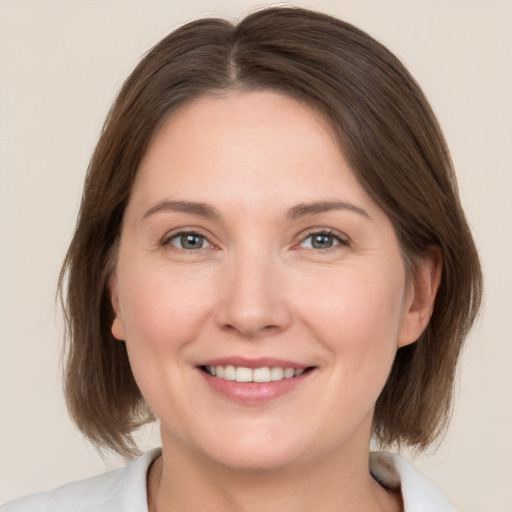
x=261, y=375
x=289, y=373
x=243, y=374
x=276, y=374
x=229, y=373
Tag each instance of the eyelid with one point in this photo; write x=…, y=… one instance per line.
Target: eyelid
x=166, y=239
x=338, y=235
x=342, y=238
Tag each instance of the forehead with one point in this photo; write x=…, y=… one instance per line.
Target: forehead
x=244, y=140
x=241, y=120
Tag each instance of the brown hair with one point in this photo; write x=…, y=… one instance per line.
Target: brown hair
x=388, y=134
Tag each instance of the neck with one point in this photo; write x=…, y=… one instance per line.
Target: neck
x=179, y=482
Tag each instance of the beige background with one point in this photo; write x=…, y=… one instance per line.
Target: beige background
x=61, y=63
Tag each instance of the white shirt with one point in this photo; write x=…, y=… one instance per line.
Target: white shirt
x=124, y=489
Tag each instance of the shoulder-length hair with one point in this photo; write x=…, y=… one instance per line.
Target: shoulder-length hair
x=388, y=134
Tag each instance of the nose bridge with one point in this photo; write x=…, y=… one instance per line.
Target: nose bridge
x=253, y=299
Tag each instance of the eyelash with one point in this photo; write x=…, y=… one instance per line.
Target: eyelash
x=341, y=240
x=167, y=240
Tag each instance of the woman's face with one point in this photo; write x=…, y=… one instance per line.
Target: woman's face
x=250, y=252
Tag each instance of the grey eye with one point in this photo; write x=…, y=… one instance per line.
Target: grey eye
x=189, y=241
x=320, y=241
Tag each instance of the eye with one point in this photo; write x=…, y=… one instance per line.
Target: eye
x=322, y=240
x=188, y=241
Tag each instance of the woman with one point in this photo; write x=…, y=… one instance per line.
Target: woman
x=268, y=260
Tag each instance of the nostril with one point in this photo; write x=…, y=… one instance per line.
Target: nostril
x=251, y=330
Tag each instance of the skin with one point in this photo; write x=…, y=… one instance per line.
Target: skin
x=257, y=287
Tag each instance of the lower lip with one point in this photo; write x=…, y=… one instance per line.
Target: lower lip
x=253, y=392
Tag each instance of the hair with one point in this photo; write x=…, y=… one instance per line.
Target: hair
x=390, y=138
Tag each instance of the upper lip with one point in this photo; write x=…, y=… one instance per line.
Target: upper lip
x=260, y=362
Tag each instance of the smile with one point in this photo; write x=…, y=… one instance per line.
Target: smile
x=243, y=374
x=254, y=381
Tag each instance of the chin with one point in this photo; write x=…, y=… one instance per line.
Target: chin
x=246, y=447
x=255, y=459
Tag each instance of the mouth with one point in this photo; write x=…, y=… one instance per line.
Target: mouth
x=257, y=375
x=254, y=381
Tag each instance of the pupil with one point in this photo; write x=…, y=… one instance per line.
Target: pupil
x=322, y=241
x=191, y=241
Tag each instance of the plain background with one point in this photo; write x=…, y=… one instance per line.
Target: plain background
x=61, y=65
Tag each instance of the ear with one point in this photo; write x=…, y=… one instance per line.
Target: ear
x=420, y=298
x=117, y=328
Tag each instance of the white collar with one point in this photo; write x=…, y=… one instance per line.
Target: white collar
x=124, y=489
x=419, y=494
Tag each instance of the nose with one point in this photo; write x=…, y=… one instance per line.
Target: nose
x=252, y=301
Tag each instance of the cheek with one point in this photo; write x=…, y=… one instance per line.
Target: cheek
x=163, y=312
x=161, y=308
x=358, y=315
x=356, y=319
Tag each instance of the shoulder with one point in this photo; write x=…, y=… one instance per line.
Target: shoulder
x=119, y=490
x=419, y=494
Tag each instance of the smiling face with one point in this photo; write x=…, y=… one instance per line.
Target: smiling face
x=249, y=251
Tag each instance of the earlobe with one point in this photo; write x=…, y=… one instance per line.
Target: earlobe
x=421, y=297
x=117, y=328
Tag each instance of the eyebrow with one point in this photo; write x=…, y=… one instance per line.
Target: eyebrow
x=192, y=207
x=301, y=210
x=209, y=212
